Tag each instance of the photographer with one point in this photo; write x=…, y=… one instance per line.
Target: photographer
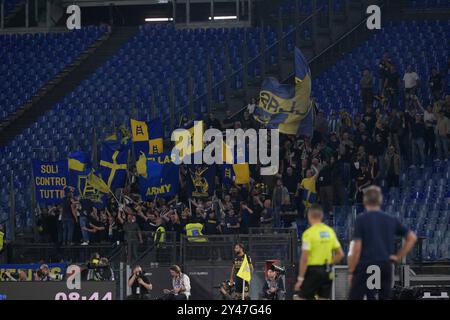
x=273, y=288
x=140, y=285
x=99, y=269
x=226, y=290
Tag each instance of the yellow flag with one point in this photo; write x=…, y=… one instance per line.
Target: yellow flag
x=77, y=165
x=139, y=130
x=242, y=173
x=196, y=134
x=97, y=183
x=244, y=272
x=141, y=165
x=112, y=137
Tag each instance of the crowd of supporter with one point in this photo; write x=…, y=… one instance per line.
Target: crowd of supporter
x=345, y=154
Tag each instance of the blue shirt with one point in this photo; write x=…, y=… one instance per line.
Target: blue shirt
x=377, y=231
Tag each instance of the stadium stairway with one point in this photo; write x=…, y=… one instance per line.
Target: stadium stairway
x=65, y=82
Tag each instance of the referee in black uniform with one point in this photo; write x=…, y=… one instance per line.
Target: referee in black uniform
x=372, y=249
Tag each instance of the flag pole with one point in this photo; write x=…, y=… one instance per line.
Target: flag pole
x=243, y=289
x=114, y=196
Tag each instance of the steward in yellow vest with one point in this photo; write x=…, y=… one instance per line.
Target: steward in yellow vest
x=194, y=232
x=160, y=236
x=2, y=239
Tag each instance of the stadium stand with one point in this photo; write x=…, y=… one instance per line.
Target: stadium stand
x=114, y=86
x=422, y=204
x=338, y=88
x=158, y=54
x=29, y=61
x=429, y=4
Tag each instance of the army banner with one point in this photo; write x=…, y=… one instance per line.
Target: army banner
x=161, y=179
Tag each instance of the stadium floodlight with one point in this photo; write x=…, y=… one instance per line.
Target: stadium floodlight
x=224, y=18
x=158, y=19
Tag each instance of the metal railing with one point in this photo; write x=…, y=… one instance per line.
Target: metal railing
x=161, y=253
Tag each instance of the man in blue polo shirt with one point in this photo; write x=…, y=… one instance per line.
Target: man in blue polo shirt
x=372, y=248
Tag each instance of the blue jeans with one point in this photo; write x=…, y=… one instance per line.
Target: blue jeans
x=68, y=226
x=84, y=233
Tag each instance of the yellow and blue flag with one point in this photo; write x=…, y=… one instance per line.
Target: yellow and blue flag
x=232, y=171
x=241, y=173
x=288, y=108
x=113, y=164
x=83, y=179
x=158, y=176
x=79, y=165
x=195, y=131
x=200, y=181
x=50, y=179
x=112, y=137
x=97, y=183
x=147, y=137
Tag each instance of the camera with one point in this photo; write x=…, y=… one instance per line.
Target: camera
x=280, y=270
x=226, y=290
x=99, y=269
x=40, y=274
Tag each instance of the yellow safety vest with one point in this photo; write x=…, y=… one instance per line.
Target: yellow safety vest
x=161, y=231
x=2, y=236
x=194, y=232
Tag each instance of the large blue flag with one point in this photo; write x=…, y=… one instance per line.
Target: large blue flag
x=227, y=174
x=113, y=164
x=162, y=178
x=79, y=165
x=286, y=107
x=50, y=179
x=80, y=168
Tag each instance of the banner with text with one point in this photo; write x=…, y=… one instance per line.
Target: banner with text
x=50, y=179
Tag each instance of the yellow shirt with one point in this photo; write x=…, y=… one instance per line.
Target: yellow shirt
x=320, y=241
x=309, y=184
x=309, y=193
